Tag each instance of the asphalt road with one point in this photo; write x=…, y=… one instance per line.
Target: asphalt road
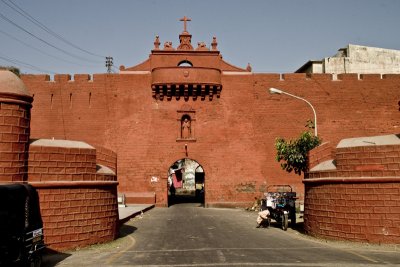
x=189, y=235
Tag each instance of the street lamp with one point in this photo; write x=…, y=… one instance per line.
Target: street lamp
x=279, y=92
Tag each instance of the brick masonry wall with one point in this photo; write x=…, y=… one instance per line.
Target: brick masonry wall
x=78, y=206
x=358, y=211
x=14, y=138
x=77, y=216
x=61, y=164
x=235, y=133
x=376, y=161
x=360, y=200
x=320, y=154
x=106, y=157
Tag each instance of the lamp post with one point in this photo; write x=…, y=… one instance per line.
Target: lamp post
x=279, y=92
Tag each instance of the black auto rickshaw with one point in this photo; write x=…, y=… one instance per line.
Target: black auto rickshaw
x=21, y=226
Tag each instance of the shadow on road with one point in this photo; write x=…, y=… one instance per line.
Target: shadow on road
x=52, y=257
x=126, y=230
x=180, y=199
x=299, y=227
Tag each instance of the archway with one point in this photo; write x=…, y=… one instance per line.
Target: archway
x=186, y=182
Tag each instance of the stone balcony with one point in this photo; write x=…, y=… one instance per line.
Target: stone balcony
x=186, y=82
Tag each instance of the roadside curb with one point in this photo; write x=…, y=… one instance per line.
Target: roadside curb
x=135, y=213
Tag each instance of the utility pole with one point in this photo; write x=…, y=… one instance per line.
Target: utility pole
x=109, y=64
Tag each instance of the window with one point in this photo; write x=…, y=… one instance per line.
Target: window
x=185, y=63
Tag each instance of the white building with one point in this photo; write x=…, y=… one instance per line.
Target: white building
x=356, y=59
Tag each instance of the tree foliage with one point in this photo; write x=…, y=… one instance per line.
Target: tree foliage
x=293, y=153
x=15, y=70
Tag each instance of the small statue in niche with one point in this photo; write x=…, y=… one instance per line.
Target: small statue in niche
x=186, y=128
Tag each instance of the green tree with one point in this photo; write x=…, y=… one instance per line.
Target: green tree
x=15, y=70
x=293, y=153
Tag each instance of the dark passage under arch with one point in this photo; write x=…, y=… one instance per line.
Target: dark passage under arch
x=186, y=182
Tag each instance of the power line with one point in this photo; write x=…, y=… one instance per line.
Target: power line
x=109, y=64
x=41, y=51
x=26, y=15
x=44, y=41
x=26, y=65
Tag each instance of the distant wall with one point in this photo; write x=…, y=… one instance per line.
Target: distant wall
x=234, y=134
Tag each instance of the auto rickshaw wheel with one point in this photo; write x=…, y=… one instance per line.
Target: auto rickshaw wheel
x=285, y=221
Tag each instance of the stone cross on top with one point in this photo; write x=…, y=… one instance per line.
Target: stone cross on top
x=185, y=20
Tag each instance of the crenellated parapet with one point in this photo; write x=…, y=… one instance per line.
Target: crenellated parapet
x=300, y=77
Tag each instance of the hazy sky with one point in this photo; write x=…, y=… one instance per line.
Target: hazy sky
x=273, y=36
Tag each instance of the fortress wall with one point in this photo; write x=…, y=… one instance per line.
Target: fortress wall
x=235, y=133
x=79, y=109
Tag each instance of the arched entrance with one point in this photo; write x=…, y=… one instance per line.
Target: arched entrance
x=185, y=182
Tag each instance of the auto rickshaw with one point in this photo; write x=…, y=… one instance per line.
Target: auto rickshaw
x=21, y=226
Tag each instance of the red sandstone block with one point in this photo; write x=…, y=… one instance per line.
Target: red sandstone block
x=23, y=138
x=381, y=209
x=389, y=160
x=23, y=122
x=9, y=106
x=57, y=157
x=70, y=170
x=49, y=149
x=6, y=128
x=61, y=164
x=18, y=113
x=41, y=156
x=56, y=170
x=80, y=158
x=350, y=191
x=19, y=147
x=9, y=156
x=393, y=166
x=11, y=170
x=40, y=170
x=70, y=158
x=34, y=177
x=354, y=161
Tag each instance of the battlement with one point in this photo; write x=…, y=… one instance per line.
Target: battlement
x=289, y=77
x=65, y=78
x=300, y=77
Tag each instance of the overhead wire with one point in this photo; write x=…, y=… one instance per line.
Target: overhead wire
x=3, y=17
x=26, y=65
x=26, y=15
x=41, y=51
x=36, y=22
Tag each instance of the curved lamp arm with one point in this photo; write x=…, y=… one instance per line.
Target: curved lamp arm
x=279, y=92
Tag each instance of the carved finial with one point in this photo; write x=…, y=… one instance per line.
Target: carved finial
x=214, y=43
x=248, y=68
x=157, y=43
x=168, y=46
x=185, y=20
x=202, y=46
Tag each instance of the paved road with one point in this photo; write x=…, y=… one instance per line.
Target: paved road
x=188, y=235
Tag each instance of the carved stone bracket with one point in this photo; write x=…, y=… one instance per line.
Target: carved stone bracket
x=186, y=91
